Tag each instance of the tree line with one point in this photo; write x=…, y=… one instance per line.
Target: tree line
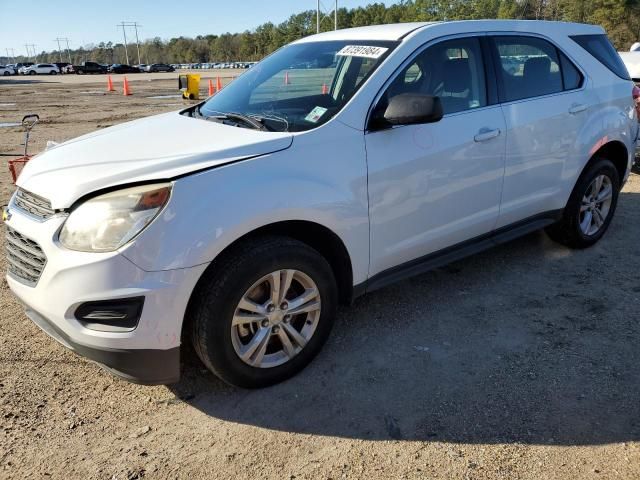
x=620, y=18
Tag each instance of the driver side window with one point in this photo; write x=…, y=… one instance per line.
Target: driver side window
x=452, y=70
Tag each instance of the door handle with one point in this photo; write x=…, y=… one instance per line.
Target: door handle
x=577, y=108
x=486, y=134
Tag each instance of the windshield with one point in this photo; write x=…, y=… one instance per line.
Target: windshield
x=298, y=87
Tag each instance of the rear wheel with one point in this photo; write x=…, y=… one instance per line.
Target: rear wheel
x=591, y=206
x=262, y=314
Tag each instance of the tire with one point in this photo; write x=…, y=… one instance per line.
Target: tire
x=52, y=72
x=216, y=300
x=6, y=74
x=570, y=230
x=32, y=72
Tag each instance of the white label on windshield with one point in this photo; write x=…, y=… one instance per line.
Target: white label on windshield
x=362, y=51
x=315, y=114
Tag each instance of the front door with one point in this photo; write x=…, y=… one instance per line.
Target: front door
x=436, y=185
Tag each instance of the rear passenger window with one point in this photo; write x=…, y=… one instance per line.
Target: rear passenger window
x=527, y=67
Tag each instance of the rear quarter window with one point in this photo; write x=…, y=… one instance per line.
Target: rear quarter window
x=600, y=47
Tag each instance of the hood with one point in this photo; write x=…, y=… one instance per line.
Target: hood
x=153, y=148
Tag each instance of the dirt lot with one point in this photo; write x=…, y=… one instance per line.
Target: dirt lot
x=518, y=363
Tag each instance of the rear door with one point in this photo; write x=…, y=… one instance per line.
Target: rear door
x=545, y=105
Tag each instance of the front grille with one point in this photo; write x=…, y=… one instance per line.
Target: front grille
x=25, y=258
x=33, y=204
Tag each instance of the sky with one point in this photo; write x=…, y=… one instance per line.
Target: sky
x=40, y=22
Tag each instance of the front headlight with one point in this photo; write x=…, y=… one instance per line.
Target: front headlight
x=107, y=222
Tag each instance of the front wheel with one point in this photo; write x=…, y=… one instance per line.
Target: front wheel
x=590, y=208
x=262, y=314
x=32, y=72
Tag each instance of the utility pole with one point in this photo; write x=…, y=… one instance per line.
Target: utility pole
x=124, y=34
x=33, y=49
x=68, y=51
x=59, y=49
x=135, y=25
x=321, y=14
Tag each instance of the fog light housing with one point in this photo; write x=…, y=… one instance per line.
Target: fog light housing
x=119, y=315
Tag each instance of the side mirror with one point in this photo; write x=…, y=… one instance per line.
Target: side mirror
x=408, y=109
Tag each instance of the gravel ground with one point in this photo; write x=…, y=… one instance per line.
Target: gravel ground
x=517, y=363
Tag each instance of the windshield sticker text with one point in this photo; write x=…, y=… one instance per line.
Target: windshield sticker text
x=362, y=51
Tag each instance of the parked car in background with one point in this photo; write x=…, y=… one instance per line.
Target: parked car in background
x=632, y=62
x=160, y=67
x=41, y=69
x=61, y=66
x=22, y=66
x=121, y=68
x=5, y=71
x=89, y=67
x=239, y=224
x=13, y=68
x=142, y=67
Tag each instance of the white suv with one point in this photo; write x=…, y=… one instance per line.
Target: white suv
x=42, y=69
x=341, y=163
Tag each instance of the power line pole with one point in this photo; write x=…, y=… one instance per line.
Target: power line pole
x=321, y=14
x=135, y=25
x=124, y=34
x=68, y=51
x=59, y=49
x=33, y=49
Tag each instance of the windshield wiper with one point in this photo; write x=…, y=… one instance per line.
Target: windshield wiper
x=235, y=117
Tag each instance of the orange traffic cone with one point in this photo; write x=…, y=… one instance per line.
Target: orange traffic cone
x=125, y=87
x=211, y=89
x=110, y=84
x=286, y=78
x=325, y=89
x=218, y=84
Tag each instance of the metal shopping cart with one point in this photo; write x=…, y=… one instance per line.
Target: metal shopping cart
x=16, y=164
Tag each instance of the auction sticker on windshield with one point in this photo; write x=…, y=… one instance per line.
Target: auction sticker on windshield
x=362, y=51
x=315, y=114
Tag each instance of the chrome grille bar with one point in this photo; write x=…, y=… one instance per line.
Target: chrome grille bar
x=25, y=258
x=33, y=204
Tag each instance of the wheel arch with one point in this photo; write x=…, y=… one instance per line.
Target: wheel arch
x=615, y=151
x=313, y=234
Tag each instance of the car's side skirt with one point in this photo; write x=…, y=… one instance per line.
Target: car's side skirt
x=457, y=252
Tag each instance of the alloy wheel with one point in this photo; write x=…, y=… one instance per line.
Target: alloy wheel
x=275, y=318
x=595, y=205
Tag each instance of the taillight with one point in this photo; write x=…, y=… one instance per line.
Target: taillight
x=635, y=93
